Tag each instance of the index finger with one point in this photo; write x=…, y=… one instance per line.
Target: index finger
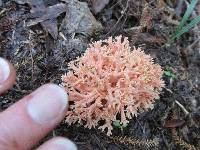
x=7, y=75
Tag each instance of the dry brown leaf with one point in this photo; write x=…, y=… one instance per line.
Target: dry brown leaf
x=46, y=16
x=49, y=13
x=174, y=123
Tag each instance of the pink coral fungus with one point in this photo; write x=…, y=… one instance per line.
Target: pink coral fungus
x=111, y=82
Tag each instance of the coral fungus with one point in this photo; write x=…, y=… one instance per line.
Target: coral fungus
x=111, y=82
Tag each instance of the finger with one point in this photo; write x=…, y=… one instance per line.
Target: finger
x=58, y=143
x=30, y=119
x=7, y=75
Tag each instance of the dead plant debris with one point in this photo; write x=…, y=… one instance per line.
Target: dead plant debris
x=26, y=31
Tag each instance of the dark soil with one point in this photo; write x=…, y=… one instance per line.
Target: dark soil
x=40, y=59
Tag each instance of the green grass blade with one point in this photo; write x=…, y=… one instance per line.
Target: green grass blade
x=187, y=14
x=186, y=28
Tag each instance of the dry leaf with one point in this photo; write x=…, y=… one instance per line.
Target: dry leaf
x=46, y=16
x=174, y=123
x=49, y=13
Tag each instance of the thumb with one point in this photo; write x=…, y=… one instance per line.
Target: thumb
x=26, y=122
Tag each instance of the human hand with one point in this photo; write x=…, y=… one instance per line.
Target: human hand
x=26, y=122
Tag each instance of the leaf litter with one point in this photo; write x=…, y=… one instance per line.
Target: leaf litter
x=40, y=59
x=78, y=17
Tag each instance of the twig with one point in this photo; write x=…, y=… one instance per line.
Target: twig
x=182, y=107
x=133, y=29
x=62, y=35
x=168, y=90
x=4, y=10
x=122, y=14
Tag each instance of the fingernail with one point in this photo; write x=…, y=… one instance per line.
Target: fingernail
x=47, y=103
x=62, y=144
x=4, y=70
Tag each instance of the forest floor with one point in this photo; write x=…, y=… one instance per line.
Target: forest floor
x=41, y=37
